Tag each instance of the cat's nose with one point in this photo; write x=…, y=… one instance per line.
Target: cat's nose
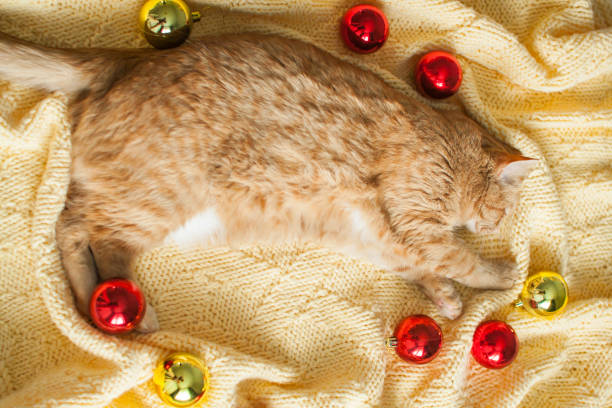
x=472, y=226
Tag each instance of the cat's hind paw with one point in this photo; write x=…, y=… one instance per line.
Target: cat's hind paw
x=149, y=322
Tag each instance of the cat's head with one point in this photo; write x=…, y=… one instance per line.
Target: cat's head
x=492, y=182
x=499, y=192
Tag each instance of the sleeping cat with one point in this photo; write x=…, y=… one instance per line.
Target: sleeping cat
x=248, y=138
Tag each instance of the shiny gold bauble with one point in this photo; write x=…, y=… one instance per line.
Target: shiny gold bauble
x=181, y=380
x=544, y=294
x=166, y=23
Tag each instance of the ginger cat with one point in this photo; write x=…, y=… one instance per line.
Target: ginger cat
x=238, y=139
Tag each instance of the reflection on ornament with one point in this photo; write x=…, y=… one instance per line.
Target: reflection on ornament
x=117, y=306
x=495, y=344
x=545, y=294
x=438, y=75
x=364, y=28
x=181, y=380
x=417, y=339
x=166, y=23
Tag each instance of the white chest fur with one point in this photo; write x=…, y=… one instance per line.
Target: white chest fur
x=363, y=244
x=204, y=229
x=207, y=229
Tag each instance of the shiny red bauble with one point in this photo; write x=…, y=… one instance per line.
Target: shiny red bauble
x=364, y=28
x=438, y=75
x=418, y=339
x=117, y=306
x=495, y=344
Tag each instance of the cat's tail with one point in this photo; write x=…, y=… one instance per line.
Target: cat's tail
x=65, y=70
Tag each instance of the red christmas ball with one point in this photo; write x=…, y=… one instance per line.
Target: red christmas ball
x=117, y=306
x=495, y=344
x=438, y=75
x=364, y=28
x=418, y=339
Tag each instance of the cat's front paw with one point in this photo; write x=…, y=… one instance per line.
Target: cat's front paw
x=504, y=273
x=450, y=308
x=443, y=294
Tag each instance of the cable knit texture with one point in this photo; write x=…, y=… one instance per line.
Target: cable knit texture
x=299, y=326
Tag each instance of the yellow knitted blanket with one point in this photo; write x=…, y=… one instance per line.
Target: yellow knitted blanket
x=299, y=326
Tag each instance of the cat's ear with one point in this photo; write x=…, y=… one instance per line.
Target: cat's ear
x=512, y=169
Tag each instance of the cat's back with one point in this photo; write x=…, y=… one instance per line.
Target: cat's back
x=262, y=90
x=252, y=113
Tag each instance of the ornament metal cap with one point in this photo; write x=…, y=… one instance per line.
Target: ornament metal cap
x=391, y=342
x=545, y=295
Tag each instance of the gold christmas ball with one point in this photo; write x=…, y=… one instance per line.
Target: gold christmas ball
x=166, y=23
x=181, y=380
x=545, y=294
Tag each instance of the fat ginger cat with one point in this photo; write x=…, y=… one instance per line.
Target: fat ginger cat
x=243, y=139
